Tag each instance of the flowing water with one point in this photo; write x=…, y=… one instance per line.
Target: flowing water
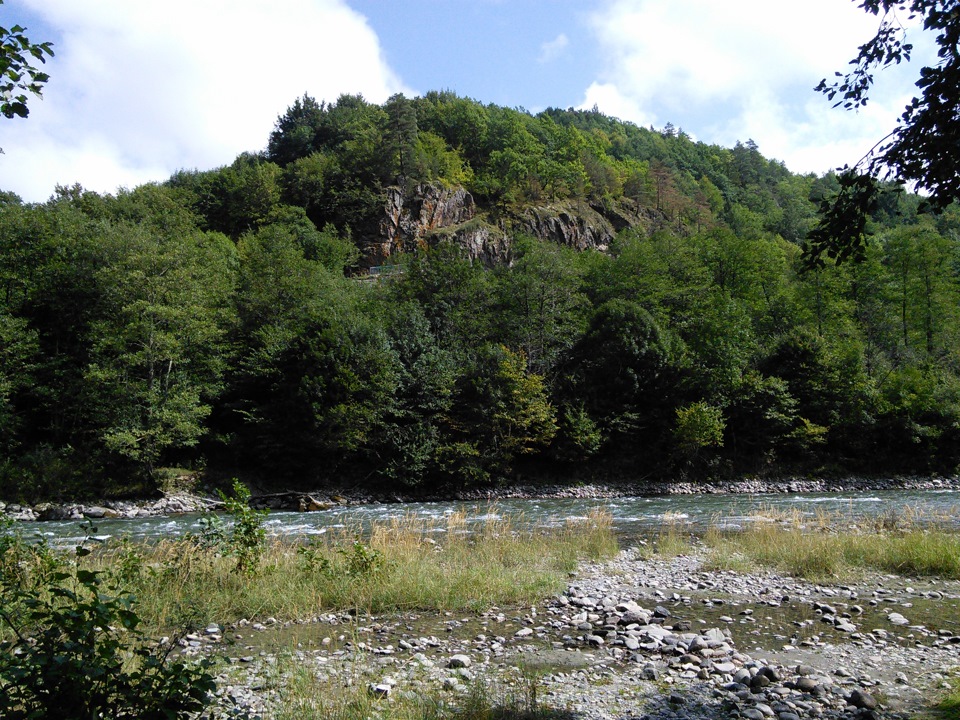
x=632, y=516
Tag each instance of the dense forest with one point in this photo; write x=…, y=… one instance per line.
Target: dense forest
x=240, y=320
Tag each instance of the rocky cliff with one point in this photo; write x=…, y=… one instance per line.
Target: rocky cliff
x=432, y=213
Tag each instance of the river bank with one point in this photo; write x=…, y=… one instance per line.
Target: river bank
x=633, y=637
x=182, y=502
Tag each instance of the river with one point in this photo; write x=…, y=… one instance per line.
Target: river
x=632, y=516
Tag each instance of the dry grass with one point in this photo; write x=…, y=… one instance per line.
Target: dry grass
x=305, y=694
x=826, y=546
x=403, y=564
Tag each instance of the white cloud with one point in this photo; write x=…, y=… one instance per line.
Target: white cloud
x=554, y=48
x=141, y=89
x=608, y=98
x=733, y=71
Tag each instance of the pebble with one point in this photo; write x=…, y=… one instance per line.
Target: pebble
x=613, y=656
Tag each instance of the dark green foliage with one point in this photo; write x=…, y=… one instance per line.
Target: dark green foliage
x=76, y=651
x=401, y=137
x=223, y=319
x=414, y=426
x=922, y=149
x=623, y=371
x=502, y=413
x=842, y=230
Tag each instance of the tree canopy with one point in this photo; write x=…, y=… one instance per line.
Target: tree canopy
x=221, y=320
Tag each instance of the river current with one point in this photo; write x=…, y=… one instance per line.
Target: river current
x=632, y=516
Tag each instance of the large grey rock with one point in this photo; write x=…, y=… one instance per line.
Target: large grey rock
x=459, y=661
x=862, y=699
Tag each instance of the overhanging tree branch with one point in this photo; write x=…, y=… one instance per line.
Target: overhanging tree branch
x=18, y=73
x=923, y=150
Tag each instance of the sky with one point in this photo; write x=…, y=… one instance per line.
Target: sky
x=142, y=88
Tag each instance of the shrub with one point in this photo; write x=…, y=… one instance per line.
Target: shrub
x=247, y=536
x=75, y=651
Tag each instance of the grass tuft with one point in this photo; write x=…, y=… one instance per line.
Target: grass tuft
x=824, y=547
x=400, y=565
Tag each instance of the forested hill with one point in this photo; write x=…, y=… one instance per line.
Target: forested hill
x=567, y=295
x=393, y=178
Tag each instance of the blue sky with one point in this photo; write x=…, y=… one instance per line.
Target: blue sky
x=522, y=53
x=140, y=89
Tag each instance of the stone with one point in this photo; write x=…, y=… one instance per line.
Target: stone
x=770, y=672
x=807, y=684
x=862, y=699
x=714, y=636
x=459, y=661
x=656, y=632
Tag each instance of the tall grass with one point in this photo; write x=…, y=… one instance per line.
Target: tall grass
x=827, y=547
x=403, y=564
x=671, y=539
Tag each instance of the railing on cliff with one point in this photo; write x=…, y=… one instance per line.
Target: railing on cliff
x=379, y=272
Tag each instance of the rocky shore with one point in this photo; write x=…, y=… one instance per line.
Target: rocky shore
x=323, y=499
x=661, y=639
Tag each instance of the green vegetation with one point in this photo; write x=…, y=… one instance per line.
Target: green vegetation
x=215, y=323
x=18, y=74
x=407, y=564
x=828, y=551
x=948, y=707
x=920, y=151
x=74, y=647
x=76, y=630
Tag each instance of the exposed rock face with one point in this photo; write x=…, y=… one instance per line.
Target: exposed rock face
x=406, y=219
x=585, y=228
x=411, y=221
x=485, y=243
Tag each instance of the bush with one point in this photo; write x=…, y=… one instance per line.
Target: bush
x=246, y=539
x=74, y=649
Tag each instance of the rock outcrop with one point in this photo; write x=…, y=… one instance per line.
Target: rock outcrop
x=434, y=213
x=579, y=228
x=407, y=219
